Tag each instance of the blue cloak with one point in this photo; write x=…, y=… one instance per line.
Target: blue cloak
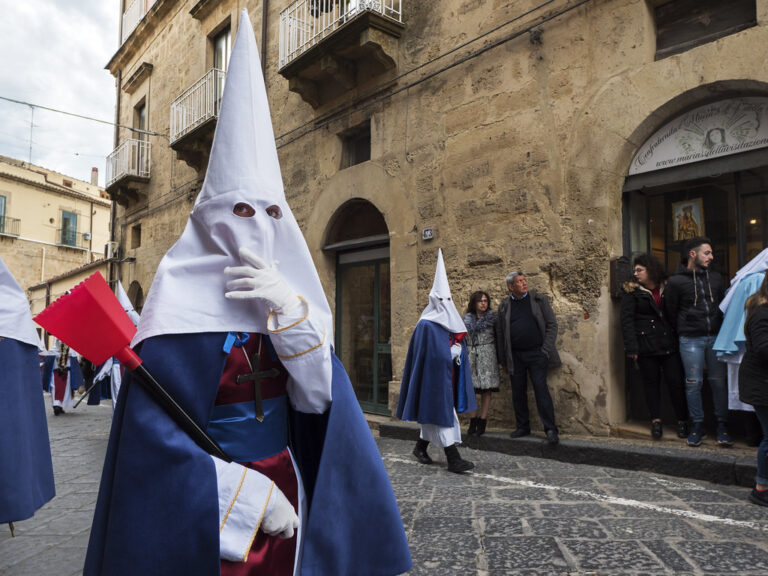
x=426, y=390
x=157, y=509
x=730, y=339
x=26, y=471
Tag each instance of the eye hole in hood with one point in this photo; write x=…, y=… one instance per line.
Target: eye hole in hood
x=243, y=209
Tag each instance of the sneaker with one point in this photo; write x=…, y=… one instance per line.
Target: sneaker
x=759, y=497
x=697, y=434
x=682, y=429
x=723, y=438
x=656, y=430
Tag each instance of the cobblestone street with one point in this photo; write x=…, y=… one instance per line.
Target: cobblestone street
x=514, y=515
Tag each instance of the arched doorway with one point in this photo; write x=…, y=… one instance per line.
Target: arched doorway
x=136, y=296
x=703, y=173
x=359, y=238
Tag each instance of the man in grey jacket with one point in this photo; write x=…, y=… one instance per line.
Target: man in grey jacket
x=526, y=330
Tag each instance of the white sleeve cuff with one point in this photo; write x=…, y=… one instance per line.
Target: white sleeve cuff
x=243, y=498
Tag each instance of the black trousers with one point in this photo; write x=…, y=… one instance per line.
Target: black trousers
x=651, y=369
x=534, y=363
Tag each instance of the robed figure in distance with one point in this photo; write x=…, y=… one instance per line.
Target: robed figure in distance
x=437, y=378
x=26, y=471
x=61, y=375
x=237, y=328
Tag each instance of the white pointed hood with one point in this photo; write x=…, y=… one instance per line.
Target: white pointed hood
x=441, y=309
x=125, y=302
x=15, y=317
x=187, y=294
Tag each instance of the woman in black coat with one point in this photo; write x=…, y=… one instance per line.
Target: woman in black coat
x=650, y=343
x=753, y=380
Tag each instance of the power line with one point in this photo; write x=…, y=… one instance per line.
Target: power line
x=33, y=106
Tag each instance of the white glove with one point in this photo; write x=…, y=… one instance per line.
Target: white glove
x=456, y=353
x=280, y=519
x=261, y=281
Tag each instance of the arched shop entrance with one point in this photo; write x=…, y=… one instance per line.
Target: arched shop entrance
x=359, y=237
x=704, y=173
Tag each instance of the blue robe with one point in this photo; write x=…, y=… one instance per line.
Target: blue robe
x=26, y=471
x=157, y=509
x=426, y=389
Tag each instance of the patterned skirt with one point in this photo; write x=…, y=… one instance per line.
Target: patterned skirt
x=482, y=359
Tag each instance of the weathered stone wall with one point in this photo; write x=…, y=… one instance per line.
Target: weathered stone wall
x=516, y=157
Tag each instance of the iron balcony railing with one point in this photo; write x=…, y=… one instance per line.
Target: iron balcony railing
x=72, y=238
x=9, y=226
x=133, y=15
x=197, y=104
x=304, y=23
x=131, y=158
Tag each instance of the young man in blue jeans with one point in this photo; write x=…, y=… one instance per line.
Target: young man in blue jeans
x=691, y=303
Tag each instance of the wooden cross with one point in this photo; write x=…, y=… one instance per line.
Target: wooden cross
x=255, y=376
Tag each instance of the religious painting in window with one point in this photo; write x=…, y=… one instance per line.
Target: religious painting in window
x=687, y=220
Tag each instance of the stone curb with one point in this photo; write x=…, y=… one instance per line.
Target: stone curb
x=685, y=463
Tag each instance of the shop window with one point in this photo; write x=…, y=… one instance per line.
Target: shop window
x=684, y=24
x=356, y=145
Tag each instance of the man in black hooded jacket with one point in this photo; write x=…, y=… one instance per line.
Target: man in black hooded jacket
x=691, y=303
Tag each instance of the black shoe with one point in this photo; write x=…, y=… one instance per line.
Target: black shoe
x=519, y=433
x=656, y=430
x=552, y=437
x=455, y=462
x=472, y=426
x=420, y=451
x=759, y=497
x=682, y=429
x=58, y=410
x=481, y=422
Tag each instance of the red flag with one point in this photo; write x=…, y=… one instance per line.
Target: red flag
x=92, y=321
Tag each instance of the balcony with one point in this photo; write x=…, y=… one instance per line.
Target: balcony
x=330, y=46
x=72, y=239
x=128, y=171
x=193, y=119
x=134, y=14
x=9, y=226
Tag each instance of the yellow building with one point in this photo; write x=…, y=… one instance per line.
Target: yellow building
x=50, y=223
x=552, y=137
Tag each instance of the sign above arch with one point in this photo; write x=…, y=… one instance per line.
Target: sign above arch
x=716, y=129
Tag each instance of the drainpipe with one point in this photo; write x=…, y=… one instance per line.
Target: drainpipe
x=264, y=11
x=112, y=208
x=42, y=267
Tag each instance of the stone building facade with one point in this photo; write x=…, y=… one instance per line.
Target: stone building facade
x=548, y=137
x=50, y=223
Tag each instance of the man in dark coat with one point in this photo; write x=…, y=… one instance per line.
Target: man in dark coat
x=525, y=339
x=691, y=304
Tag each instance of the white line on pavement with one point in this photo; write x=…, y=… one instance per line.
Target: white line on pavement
x=608, y=499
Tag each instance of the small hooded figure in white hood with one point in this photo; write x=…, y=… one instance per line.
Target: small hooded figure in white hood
x=437, y=380
x=26, y=471
x=237, y=328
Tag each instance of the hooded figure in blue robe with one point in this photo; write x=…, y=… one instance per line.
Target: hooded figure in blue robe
x=437, y=378
x=237, y=328
x=26, y=471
